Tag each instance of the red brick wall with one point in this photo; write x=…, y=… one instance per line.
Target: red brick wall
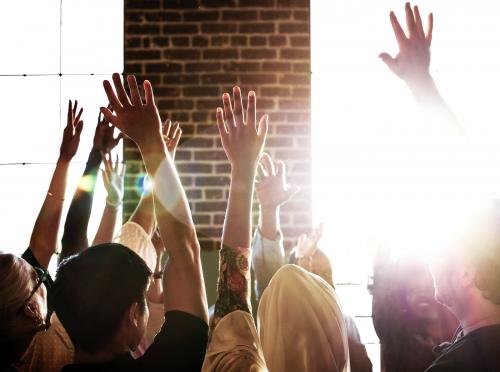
x=192, y=52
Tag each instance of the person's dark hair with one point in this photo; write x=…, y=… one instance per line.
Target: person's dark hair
x=94, y=289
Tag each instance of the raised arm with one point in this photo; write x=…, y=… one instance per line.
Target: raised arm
x=143, y=215
x=155, y=291
x=243, y=142
x=74, y=238
x=412, y=64
x=43, y=242
x=183, y=278
x=113, y=183
x=272, y=191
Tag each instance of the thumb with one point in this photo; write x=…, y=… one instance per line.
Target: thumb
x=387, y=59
x=292, y=191
x=262, y=128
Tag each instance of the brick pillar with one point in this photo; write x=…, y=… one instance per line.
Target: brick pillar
x=192, y=52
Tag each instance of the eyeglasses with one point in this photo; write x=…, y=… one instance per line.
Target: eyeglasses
x=42, y=276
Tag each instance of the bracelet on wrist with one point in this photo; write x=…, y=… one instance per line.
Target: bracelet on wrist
x=113, y=203
x=52, y=196
x=158, y=274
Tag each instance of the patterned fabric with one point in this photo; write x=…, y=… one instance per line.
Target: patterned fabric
x=133, y=236
x=233, y=288
x=49, y=350
x=235, y=346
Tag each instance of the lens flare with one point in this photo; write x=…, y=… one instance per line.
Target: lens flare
x=87, y=183
x=143, y=185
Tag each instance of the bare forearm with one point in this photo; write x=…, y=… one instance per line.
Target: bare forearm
x=144, y=214
x=43, y=240
x=269, y=222
x=428, y=97
x=74, y=238
x=183, y=277
x=155, y=292
x=106, y=229
x=170, y=202
x=237, y=225
x=234, y=258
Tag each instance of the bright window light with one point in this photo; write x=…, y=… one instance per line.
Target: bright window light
x=56, y=50
x=30, y=36
x=381, y=177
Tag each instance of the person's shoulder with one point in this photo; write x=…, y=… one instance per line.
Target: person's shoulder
x=474, y=352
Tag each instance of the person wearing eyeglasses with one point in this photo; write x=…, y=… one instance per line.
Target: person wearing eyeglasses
x=26, y=341
x=24, y=332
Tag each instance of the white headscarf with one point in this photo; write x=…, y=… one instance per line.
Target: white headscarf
x=133, y=236
x=300, y=324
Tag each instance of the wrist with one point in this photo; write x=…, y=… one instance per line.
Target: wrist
x=151, y=145
x=64, y=161
x=422, y=84
x=270, y=210
x=269, y=222
x=243, y=172
x=114, y=203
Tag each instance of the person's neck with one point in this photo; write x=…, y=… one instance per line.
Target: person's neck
x=479, y=313
x=102, y=356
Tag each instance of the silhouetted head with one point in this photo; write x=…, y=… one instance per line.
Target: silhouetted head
x=100, y=298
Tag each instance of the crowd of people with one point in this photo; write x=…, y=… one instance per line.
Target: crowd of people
x=118, y=305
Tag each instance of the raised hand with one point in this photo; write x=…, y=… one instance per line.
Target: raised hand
x=104, y=139
x=158, y=244
x=72, y=131
x=171, y=135
x=272, y=189
x=139, y=120
x=113, y=179
x=412, y=62
x=307, y=244
x=242, y=140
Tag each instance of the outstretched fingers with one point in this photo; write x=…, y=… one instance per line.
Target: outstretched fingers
x=120, y=90
x=238, y=107
x=410, y=21
x=110, y=117
x=165, y=129
x=69, y=122
x=263, y=126
x=77, y=120
x=430, y=26
x=418, y=23
x=148, y=92
x=267, y=162
x=228, y=112
x=112, y=98
x=135, y=96
x=251, y=109
x=398, y=31
x=221, y=124
x=176, y=133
